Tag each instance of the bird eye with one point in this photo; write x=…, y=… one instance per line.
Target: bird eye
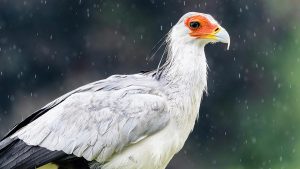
x=194, y=25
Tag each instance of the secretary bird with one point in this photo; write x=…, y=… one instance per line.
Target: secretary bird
x=137, y=121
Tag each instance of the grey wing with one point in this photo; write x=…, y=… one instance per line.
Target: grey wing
x=101, y=120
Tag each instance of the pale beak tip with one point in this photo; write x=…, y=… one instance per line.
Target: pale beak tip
x=223, y=36
x=228, y=45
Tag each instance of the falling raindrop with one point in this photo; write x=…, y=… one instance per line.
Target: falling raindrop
x=88, y=12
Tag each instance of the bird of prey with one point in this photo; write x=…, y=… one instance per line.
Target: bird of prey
x=137, y=121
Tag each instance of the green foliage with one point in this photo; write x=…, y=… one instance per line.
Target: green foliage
x=271, y=126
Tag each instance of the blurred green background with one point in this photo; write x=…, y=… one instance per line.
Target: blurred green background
x=250, y=118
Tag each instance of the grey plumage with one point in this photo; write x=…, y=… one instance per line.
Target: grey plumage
x=97, y=119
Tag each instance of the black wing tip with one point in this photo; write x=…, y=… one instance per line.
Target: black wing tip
x=15, y=153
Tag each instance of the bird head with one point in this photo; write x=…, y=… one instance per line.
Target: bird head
x=199, y=28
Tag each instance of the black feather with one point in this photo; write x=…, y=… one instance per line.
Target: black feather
x=15, y=154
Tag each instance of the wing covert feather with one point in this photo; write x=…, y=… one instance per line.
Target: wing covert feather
x=100, y=120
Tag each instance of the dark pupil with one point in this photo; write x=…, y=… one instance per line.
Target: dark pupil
x=194, y=24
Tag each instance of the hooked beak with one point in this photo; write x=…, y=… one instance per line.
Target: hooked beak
x=222, y=36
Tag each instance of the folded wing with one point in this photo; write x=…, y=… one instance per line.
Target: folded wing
x=98, y=120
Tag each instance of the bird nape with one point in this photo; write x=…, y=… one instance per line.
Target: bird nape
x=137, y=121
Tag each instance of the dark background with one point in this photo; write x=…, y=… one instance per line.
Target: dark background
x=249, y=119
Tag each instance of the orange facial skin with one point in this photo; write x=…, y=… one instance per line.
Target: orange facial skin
x=206, y=30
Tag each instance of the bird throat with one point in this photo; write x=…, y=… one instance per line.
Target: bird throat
x=186, y=66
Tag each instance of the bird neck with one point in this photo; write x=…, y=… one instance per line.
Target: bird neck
x=185, y=67
x=184, y=74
